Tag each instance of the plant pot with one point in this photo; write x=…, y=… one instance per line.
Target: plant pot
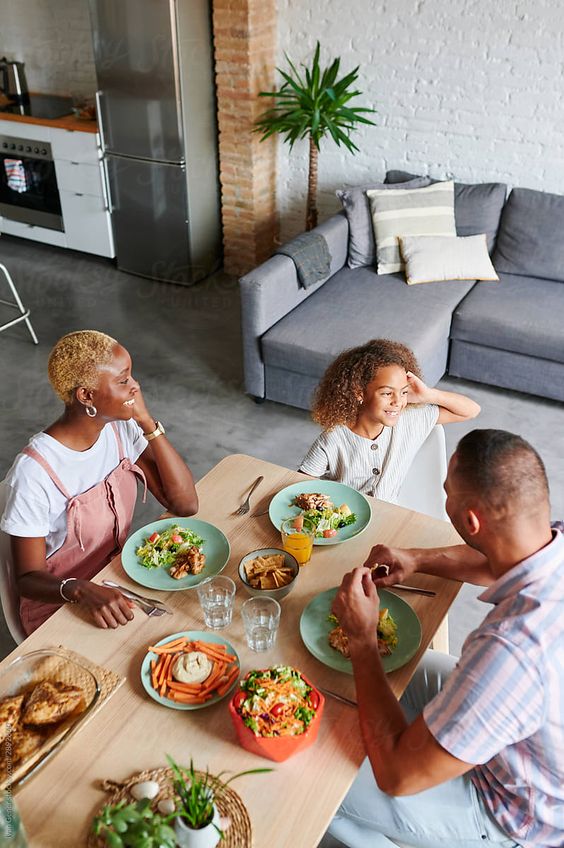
x=205, y=837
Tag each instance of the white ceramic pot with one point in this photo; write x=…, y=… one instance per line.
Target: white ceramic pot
x=205, y=837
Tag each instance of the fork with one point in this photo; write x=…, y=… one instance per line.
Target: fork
x=245, y=507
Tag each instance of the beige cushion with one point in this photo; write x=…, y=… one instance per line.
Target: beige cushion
x=430, y=259
x=412, y=212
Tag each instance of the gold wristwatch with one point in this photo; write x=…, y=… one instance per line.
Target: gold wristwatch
x=158, y=431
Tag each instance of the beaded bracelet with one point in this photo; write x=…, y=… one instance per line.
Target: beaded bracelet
x=61, y=586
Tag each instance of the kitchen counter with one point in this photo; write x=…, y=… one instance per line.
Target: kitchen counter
x=68, y=122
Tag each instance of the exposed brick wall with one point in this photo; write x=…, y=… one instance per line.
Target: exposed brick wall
x=245, y=55
x=54, y=40
x=471, y=88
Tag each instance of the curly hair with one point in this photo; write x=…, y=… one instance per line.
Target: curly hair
x=76, y=359
x=336, y=399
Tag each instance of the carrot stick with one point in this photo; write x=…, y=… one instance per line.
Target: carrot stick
x=221, y=690
x=195, y=688
x=164, y=668
x=188, y=699
x=213, y=654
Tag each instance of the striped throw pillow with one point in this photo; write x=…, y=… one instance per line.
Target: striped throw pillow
x=425, y=211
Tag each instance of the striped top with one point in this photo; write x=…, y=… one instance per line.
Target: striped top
x=372, y=466
x=502, y=708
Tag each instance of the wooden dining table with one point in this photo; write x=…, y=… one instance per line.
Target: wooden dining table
x=293, y=804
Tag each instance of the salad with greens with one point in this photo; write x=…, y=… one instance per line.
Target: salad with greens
x=276, y=701
x=321, y=513
x=160, y=550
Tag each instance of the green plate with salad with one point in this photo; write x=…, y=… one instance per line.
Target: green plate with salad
x=150, y=553
x=315, y=626
x=339, y=526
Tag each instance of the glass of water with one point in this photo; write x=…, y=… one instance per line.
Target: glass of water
x=216, y=596
x=12, y=834
x=261, y=617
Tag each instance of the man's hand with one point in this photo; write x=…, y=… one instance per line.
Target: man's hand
x=356, y=605
x=107, y=607
x=401, y=564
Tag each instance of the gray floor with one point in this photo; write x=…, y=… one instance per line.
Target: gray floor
x=185, y=344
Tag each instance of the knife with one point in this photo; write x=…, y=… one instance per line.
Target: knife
x=135, y=597
x=341, y=698
x=415, y=589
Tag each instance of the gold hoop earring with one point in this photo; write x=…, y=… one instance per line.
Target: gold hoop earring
x=91, y=411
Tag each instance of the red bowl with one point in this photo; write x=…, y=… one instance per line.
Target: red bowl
x=277, y=748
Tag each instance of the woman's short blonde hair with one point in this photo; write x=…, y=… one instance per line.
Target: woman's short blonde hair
x=76, y=359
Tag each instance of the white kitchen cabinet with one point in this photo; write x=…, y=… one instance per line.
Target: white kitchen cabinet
x=87, y=224
x=29, y=231
x=74, y=146
x=79, y=177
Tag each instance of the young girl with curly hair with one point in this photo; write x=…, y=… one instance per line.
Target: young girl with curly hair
x=377, y=412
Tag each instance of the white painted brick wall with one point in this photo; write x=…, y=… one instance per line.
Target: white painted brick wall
x=472, y=88
x=53, y=38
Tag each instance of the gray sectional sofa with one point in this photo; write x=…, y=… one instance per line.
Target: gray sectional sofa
x=508, y=334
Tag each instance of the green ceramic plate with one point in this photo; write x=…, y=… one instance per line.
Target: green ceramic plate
x=315, y=628
x=215, y=547
x=202, y=635
x=281, y=506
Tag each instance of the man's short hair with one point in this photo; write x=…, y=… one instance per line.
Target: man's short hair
x=504, y=471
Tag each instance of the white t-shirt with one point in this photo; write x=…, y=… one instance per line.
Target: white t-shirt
x=375, y=467
x=35, y=506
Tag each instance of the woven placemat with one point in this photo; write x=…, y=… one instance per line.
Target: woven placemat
x=237, y=835
x=72, y=668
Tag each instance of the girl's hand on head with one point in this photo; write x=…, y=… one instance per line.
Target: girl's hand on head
x=418, y=391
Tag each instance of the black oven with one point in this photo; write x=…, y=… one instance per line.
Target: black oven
x=28, y=183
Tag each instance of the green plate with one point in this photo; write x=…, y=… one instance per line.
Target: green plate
x=215, y=547
x=315, y=629
x=281, y=507
x=201, y=635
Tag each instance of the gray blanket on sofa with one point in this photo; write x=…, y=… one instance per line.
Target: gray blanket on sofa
x=311, y=257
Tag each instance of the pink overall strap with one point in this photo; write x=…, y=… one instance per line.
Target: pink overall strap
x=46, y=467
x=118, y=440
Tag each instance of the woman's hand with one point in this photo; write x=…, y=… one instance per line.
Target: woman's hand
x=141, y=414
x=399, y=565
x=107, y=607
x=356, y=605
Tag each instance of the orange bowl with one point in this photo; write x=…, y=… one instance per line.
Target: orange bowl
x=277, y=748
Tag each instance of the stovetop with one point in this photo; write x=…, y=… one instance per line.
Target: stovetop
x=41, y=106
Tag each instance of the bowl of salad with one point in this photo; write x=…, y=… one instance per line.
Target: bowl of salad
x=276, y=712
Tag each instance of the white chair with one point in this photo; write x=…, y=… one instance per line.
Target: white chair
x=422, y=489
x=24, y=313
x=8, y=590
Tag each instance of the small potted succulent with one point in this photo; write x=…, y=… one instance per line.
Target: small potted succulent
x=198, y=822
x=134, y=825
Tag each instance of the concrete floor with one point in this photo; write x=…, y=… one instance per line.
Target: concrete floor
x=186, y=349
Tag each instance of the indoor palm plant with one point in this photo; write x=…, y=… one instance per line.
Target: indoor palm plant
x=313, y=105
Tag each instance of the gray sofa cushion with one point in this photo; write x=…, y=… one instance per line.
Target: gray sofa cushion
x=477, y=208
x=516, y=314
x=531, y=235
x=357, y=305
x=362, y=249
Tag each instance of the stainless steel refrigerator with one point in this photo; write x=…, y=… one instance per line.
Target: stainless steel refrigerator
x=156, y=113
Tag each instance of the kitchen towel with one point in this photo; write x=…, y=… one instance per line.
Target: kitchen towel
x=16, y=175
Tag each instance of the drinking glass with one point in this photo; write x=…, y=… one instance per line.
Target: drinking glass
x=216, y=596
x=261, y=617
x=298, y=542
x=12, y=834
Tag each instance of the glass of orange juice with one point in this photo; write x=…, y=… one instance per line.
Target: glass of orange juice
x=297, y=538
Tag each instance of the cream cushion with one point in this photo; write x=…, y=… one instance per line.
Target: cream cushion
x=411, y=212
x=430, y=259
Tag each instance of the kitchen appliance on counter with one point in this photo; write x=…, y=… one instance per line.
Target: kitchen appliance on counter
x=156, y=115
x=28, y=183
x=48, y=106
x=14, y=85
